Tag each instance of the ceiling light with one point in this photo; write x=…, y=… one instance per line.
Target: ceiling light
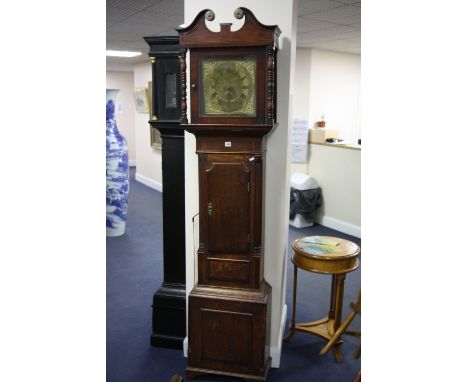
x=121, y=53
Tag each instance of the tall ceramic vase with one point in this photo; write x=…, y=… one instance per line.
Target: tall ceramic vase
x=116, y=171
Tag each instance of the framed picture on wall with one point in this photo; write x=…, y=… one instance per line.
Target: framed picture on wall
x=150, y=100
x=155, y=135
x=141, y=100
x=155, y=138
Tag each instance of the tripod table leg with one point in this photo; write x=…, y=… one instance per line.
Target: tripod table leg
x=292, y=326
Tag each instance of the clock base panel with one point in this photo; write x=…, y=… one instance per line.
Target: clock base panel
x=193, y=372
x=229, y=332
x=169, y=317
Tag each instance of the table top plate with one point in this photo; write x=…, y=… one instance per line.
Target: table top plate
x=334, y=259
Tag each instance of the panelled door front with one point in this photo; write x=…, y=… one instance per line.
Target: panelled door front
x=228, y=203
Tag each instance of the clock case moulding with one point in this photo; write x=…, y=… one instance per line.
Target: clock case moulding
x=229, y=307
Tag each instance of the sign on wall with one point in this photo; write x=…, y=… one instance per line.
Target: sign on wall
x=299, y=138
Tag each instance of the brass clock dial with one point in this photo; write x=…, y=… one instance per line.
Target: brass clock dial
x=229, y=87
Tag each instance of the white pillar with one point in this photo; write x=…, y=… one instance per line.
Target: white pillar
x=276, y=211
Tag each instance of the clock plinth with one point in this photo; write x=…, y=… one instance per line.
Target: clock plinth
x=169, y=322
x=232, y=330
x=233, y=99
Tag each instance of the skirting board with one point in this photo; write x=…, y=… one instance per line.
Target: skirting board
x=341, y=226
x=149, y=182
x=275, y=351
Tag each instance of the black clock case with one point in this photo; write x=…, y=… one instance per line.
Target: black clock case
x=169, y=301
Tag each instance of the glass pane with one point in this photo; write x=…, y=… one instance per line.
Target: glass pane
x=229, y=86
x=171, y=90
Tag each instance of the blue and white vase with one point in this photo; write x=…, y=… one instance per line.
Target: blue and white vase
x=116, y=171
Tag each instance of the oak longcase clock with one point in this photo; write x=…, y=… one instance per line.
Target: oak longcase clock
x=232, y=89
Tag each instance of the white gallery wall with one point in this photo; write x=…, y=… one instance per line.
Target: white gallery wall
x=338, y=173
x=335, y=80
x=300, y=107
x=328, y=83
x=125, y=109
x=148, y=159
x=302, y=84
x=276, y=208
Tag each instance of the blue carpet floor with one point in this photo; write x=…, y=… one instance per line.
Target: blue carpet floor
x=134, y=273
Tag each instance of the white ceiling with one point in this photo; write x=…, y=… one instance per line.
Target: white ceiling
x=326, y=24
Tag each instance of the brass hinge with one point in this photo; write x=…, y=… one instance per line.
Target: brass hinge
x=248, y=186
x=248, y=237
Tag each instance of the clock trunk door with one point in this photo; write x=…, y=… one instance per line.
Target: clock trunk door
x=227, y=204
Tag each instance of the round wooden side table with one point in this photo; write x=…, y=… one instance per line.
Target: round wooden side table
x=338, y=257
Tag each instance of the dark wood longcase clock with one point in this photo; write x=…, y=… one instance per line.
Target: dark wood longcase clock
x=233, y=97
x=169, y=301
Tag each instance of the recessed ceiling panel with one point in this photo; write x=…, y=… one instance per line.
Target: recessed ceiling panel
x=306, y=7
x=325, y=24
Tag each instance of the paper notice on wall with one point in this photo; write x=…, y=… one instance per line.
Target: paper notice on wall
x=300, y=131
x=299, y=138
x=299, y=153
